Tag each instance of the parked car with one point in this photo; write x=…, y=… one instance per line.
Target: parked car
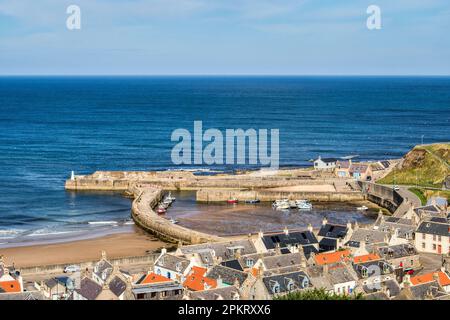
x=396, y=188
x=72, y=268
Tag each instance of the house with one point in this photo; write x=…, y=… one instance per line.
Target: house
x=172, y=266
x=433, y=237
x=224, y=293
x=57, y=288
x=25, y=296
x=430, y=211
x=102, y=270
x=336, y=278
x=385, y=290
x=425, y=291
x=342, y=169
x=325, y=163
x=401, y=256
x=371, y=272
x=88, y=290
x=333, y=236
x=330, y=257
x=196, y=280
x=209, y=254
x=281, y=263
x=225, y=276
x=164, y=290
x=440, y=276
x=363, y=239
x=290, y=242
x=403, y=228
x=360, y=171
x=268, y=287
x=10, y=279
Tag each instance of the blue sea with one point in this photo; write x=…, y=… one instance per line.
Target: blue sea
x=52, y=125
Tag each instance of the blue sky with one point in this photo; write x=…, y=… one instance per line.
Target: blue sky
x=306, y=37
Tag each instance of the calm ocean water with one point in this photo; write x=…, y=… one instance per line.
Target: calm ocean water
x=50, y=126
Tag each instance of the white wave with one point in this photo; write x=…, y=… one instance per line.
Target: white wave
x=45, y=232
x=10, y=233
x=129, y=223
x=102, y=222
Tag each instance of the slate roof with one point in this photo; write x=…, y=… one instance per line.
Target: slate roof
x=328, y=160
x=103, y=269
x=89, y=289
x=29, y=295
x=233, y=264
x=293, y=238
x=368, y=236
x=436, y=228
x=225, y=293
x=299, y=280
x=372, y=268
x=430, y=209
x=221, y=249
x=282, y=261
x=359, y=168
x=227, y=275
x=333, y=231
x=391, y=285
x=327, y=244
x=421, y=291
x=173, y=263
x=117, y=286
x=397, y=251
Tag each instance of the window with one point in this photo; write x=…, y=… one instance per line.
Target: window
x=423, y=245
x=424, y=236
x=412, y=262
x=140, y=296
x=434, y=237
x=434, y=246
x=439, y=238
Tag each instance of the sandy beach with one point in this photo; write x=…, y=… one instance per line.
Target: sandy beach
x=116, y=245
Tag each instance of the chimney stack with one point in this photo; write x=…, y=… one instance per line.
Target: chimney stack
x=286, y=231
x=310, y=227
x=324, y=221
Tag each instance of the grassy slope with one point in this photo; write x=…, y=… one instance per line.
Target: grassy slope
x=424, y=165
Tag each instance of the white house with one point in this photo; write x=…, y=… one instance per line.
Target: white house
x=173, y=267
x=325, y=163
x=433, y=236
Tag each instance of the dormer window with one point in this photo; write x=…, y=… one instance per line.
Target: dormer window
x=305, y=282
x=364, y=272
x=275, y=287
x=249, y=263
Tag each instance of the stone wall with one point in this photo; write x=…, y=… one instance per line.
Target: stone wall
x=146, y=198
x=384, y=196
x=213, y=195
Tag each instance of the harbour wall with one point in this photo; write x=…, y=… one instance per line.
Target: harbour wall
x=145, y=199
x=122, y=181
x=383, y=196
x=213, y=195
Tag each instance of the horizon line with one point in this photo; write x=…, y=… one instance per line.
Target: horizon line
x=222, y=75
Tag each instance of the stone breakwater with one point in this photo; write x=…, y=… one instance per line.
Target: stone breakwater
x=145, y=199
x=182, y=180
x=213, y=195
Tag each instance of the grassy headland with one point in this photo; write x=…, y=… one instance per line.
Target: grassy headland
x=423, y=166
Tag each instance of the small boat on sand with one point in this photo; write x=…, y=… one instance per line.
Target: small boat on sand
x=161, y=210
x=233, y=200
x=169, y=197
x=362, y=208
x=173, y=221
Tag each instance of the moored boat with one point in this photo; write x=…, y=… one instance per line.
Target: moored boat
x=161, y=210
x=233, y=200
x=252, y=201
x=362, y=208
